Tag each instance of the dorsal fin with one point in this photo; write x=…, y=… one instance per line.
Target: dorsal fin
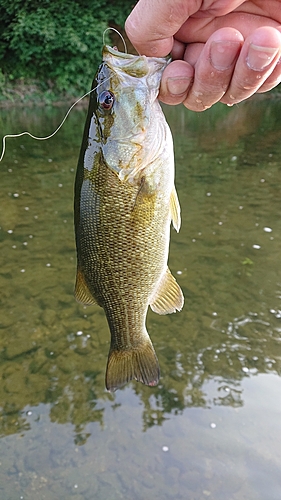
x=175, y=210
x=82, y=292
x=169, y=297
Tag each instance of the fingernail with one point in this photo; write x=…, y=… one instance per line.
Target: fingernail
x=260, y=57
x=223, y=54
x=178, y=85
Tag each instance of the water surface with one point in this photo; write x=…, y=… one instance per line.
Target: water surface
x=211, y=429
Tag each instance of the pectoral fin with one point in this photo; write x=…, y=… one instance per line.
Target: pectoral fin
x=175, y=210
x=82, y=292
x=169, y=297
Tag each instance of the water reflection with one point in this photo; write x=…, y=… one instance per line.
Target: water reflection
x=220, y=356
x=53, y=351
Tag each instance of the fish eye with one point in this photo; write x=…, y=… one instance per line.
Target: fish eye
x=106, y=100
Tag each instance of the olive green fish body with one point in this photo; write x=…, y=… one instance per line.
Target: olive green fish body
x=124, y=202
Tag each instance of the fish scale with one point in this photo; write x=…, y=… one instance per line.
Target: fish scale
x=123, y=214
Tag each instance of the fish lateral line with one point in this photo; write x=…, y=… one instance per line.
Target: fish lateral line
x=45, y=138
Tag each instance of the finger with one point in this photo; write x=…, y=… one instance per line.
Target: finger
x=256, y=65
x=178, y=50
x=176, y=81
x=178, y=76
x=152, y=24
x=213, y=69
x=193, y=52
x=273, y=80
x=246, y=20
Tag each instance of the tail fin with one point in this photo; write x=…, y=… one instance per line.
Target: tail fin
x=139, y=363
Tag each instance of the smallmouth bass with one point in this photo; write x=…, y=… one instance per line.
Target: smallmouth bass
x=125, y=200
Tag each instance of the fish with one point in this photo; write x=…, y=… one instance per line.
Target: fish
x=125, y=200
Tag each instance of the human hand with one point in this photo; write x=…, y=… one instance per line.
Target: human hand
x=222, y=50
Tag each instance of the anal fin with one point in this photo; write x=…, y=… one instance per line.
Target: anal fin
x=169, y=297
x=82, y=292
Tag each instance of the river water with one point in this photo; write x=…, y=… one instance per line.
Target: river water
x=212, y=427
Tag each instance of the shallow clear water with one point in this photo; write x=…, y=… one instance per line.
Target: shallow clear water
x=212, y=427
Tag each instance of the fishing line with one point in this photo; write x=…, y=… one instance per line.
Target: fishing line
x=118, y=33
x=7, y=136
x=57, y=129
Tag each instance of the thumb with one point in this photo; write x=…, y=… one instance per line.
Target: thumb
x=152, y=24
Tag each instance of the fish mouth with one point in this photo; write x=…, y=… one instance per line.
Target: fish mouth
x=124, y=55
x=115, y=52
